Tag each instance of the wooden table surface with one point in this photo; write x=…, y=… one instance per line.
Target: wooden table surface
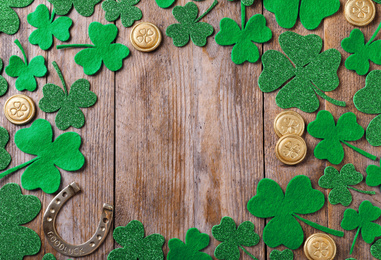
x=181, y=137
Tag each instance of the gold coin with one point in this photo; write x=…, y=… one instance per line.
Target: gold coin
x=19, y=109
x=289, y=123
x=320, y=247
x=360, y=12
x=291, y=149
x=145, y=37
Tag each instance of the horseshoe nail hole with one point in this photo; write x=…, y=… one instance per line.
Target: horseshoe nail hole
x=99, y=237
x=64, y=194
x=58, y=201
x=103, y=229
x=92, y=244
x=105, y=220
x=50, y=219
x=52, y=211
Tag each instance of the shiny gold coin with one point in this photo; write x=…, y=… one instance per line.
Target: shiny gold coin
x=289, y=123
x=320, y=247
x=360, y=12
x=291, y=149
x=145, y=37
x=19, y=109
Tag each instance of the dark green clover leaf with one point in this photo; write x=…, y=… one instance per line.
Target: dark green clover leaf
x=300, y=198
x=340, y=183
x=9, y=20
x=246, y=2
x=49, y=257
x=194, y=243
x=24, y=72
x=189, y=26
x=373, y=178
x=232, y=239
x=363, y=222
x=48, y=27
x=284, y=255
x=3, y=81
x=375, y=249
x=16, y=210
x=244, y=49
x=135, y=245
x=42, y=172
x=124, y=9
x=68, y=104
x=5, y=157
x=314, y=72
x=103, y=50
x=333, y=135
x=83, y=7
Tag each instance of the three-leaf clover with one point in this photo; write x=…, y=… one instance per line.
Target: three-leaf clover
x=233, y=238
x=3, y=81
x=311, y=13
x=124, y=9
x=9, y=20
x=5, y=157
x=375, y=249
x=373, y=178
x=314, y=72
x=67, y=104
x=42, y=172
x=282, y=255
x=16, y=210
x=189, y=26
x=340, y=183
x=83, y=7
x=333, y=135
x=363, y=221
x=194, y=243
x=300, y=198
x=103, y=50
x=135, y=245
x=48, y=27
x=24, y=72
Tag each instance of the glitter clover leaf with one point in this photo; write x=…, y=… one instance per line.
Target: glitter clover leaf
x=233, y=238
x=283, y=208
x=340, y=183
x=17, y=209
x=314, y=72
x=246, y=2
x=9, y=20
x=311, y=13
x=67, y=104
x=373, y=178
x=5, y=157
x=42, y=172
x=49, y=256
x=83, y=7
x=135, y=245
x=48, y=27
x=194, y=243
x=103, y=50
x=124, y=9
x=282, y=255
x=363, y=222
x=3, y=81
x=189, y=26
x=334, y=135
x=375, y=249
x=24, y=72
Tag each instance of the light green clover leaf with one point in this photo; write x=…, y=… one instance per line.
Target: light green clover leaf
x=83, y=7
x=124, y=9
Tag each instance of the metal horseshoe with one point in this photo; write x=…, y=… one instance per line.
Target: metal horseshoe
x=57, y=242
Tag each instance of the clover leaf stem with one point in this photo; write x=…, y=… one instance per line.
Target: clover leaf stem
x=363, y=191
x=15, y=169
x=362, y=152
x=243, y=15
x=329, y=99
x=319, y=227
x=374, y=35
x=59, y=47
x=22, y=51
x=244, y=250
x=59, y=72
x=207, y=11
x=354, y=241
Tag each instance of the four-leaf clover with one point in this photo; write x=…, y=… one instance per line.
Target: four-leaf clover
x=124, y=9
x=135, y=245
x=83, y=7
x=233, y=238
x=194, y=243
x=48, y=27
x=314, y=72
x=5, y=157
x=363, y=221
x=9, y=20
x=3, y=81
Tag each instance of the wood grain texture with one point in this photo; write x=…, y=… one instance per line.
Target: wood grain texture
x=180, y=138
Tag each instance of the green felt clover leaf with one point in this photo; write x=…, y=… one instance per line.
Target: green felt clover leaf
x=333, y=135
x=5, y=157
x=24, y=72
x=314, y=72
x=246, y=2
x=363, y=222
x=194, y=243
x=373, y=178
x=135, y=245
x=42, y=172
x=67, y=104
x=244, y=49
x=48, y=27
x=103, y=50
x=124, y=9
x=164, y=3
x=340, y=183
x=284, y=255
x=9, y=20
x=375, y=249
x=3, y=81
x=311, y=13
x=233, y=238
x=83, y=7
x=189, y=26
x=300, y=198
x=16, y=210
